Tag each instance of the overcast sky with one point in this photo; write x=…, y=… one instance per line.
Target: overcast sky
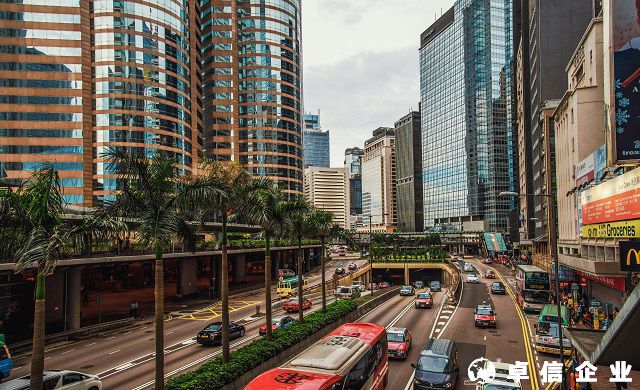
x=361, y=63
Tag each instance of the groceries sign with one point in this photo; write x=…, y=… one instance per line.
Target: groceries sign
x=615, y=200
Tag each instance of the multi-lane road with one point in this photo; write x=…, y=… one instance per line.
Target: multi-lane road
x=124, y=359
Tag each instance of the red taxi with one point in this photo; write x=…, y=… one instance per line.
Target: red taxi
x=489, y=274
x=291, y=305
x=485, y=316
x=425, y=300
x=398, y=342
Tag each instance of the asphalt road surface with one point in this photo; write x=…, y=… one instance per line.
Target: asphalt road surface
x=124, y=358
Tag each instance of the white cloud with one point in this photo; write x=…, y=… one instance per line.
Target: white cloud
x=361, y=63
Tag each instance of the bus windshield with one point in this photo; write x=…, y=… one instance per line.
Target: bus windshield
x=547, y=329
x=536, y=296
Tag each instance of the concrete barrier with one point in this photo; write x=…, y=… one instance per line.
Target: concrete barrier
x=287, y=355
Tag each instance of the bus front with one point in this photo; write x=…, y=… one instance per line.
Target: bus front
x=536, y=292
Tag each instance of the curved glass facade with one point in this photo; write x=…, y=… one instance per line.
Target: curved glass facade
x=467, y=132
x=141, y=82
x=253, y=86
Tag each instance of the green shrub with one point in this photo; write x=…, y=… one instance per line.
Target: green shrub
x=214, y=374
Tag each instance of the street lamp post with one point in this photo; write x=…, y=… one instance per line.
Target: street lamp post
x=551, y=220
x=370, y=242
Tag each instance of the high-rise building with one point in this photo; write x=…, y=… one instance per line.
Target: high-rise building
x=353, y=164
x=328, y=189
x=550, y=33
x=467, y=128
x=315, y=142
x=81, y=76
x=409, y=173
x=252, y=86
x=379, y=181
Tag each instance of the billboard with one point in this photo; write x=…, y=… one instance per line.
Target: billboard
x=625, y=41
x=622, y=229
x=615, y=200
x=629, y=256
x=584, y=170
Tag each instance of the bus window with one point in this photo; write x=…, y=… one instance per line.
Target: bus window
x=356, y=377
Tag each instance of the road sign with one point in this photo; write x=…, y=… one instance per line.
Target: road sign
x=595, y=303
x=574, y=287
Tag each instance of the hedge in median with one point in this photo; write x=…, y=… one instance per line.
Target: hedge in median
x=214, y=374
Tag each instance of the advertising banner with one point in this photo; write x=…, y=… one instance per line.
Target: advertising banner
x=615, y=200
x=599, y=162
x=626, y=71
x=584, y=170
x=609, y=281
x=629, y=256
x=624, y=229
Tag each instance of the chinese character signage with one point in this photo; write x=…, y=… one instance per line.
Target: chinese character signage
x=626, y=83
x=629, y=256
x=615, y=200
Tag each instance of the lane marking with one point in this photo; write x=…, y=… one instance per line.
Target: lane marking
x=441, y=323
x=65, y=352
x=116, y=351
x=110, y=338
x=399, y=316
x=88, y=345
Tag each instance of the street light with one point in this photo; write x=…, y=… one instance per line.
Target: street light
x=551, y=218
x=370, y=241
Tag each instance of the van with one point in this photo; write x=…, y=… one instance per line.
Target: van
x=359, y=285
x=437, y=365
x=547, y=338
x=347, y=292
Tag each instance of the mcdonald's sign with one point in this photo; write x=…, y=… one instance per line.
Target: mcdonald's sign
x=629, y=256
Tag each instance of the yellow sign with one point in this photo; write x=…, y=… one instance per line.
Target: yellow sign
x=636, y=254
x=622, y=229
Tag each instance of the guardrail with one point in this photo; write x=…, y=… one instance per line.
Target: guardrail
x=84, y=331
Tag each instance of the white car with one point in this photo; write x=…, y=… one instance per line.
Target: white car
x=359, y=285
x=472, y=279
x=468, y=267
x=501, y=380
x=67, y=380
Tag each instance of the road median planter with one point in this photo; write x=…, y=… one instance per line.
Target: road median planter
x=259, y=356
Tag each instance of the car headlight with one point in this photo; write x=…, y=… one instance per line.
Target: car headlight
x=448, y=386
x=416, y=381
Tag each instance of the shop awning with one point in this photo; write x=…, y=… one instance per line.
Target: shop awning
x=619, y=342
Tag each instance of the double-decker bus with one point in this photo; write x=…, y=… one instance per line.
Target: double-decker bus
x=352, y=357
x=533, y=288
x=289, y=287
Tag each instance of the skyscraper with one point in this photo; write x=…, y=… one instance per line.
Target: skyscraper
x=467, y=130
x=315, y=141
x=79, y=77
x=409, y=173
x=353, y=164
x=379, y=181
x=328, y=189
x=252, y=86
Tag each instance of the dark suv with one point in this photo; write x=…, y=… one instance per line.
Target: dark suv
x=437, y=366
x=434, y=285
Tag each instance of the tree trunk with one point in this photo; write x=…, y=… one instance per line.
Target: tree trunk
x=224, y=292
x=159, y=319
x=37, y=353
x=267, y=285
x=324, y=278
x=300, y=260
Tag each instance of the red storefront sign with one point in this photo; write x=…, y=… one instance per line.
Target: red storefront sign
x=615, y=200
x=614, y=282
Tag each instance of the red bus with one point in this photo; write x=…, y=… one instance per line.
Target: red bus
x=354, y=356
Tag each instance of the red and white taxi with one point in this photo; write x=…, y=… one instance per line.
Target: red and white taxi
x=485, y=316
x=291, y=305
x=398, y=342
x=424, y=300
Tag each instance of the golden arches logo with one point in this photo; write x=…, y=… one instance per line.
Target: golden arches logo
x=636, y=253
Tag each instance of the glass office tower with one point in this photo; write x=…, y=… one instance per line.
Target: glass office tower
x=467, y=134
x=252, y=86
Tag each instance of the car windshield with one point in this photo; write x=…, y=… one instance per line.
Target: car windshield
x=547, y=329
x=484, y=312
x=424, y=296
x=435, y=283
x=395, y=337
x=345, y=290
x=498, y=285
x=406, y=287
x=492, y=386
x=433, y=363
x=213, y=328
x=489, y=272
x=536, y=296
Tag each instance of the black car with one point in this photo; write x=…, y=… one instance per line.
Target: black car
x=498, y=288
x=212, y=334
x=437, y=366
x=434, y=285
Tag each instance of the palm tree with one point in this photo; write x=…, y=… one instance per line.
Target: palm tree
x=298, y=225
x=224, y=188
x=320, y=223
x=265, y=207
x=38, y=205
x=151, y=195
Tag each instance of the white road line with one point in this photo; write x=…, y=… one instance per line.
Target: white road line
x=110, y=338
x=454, y=310
x=47, y=358
x=168, y=333
x=437, y=331
x=126, y=333
x=441, y=323
x=444, y=317
x=485, y=338
x=399, y=316
x=65, y=352
x=447, y=311
x=116, y=351
x=88, y=345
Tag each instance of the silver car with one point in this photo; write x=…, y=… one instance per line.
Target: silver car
x=67, y=380
x=472, y=279
x=347, y=292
